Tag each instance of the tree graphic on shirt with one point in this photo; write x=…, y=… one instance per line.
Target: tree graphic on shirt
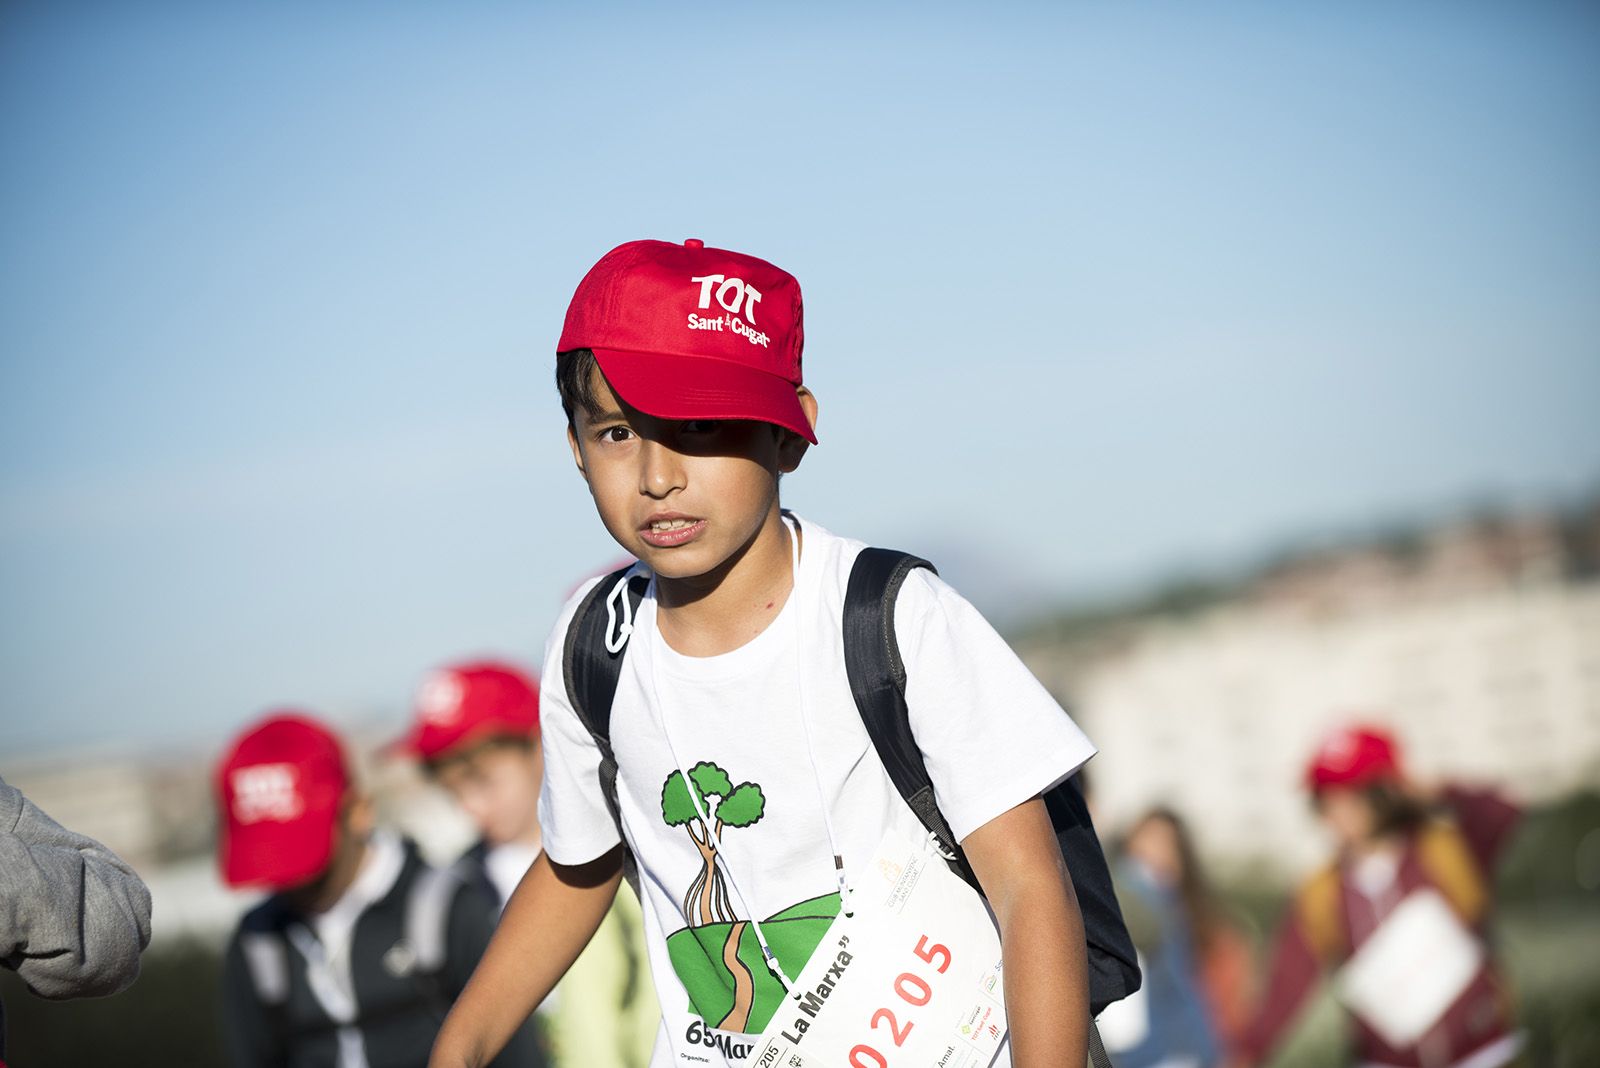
x=706, y=901
x=724, y=972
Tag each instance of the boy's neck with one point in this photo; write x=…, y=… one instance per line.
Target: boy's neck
x=717, y=612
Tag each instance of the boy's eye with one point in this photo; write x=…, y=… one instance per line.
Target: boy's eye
x=615, y=433
x=700, y=426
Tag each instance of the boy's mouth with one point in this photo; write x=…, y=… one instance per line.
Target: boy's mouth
x=668, y=530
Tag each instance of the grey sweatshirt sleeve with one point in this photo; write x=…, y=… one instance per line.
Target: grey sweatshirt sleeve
x=73, y=915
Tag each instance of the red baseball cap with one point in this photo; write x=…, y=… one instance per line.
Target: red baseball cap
x=280, y=787
x=1354, y=756
x=690, y=332
x=466, y=703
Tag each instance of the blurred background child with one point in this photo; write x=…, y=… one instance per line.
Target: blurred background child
x=1403, y=910
x=476, y=734
x=1167, y=1023
x=1220, y=950
x=360, y=948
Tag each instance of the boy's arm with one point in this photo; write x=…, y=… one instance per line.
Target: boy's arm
x=1018, y=862
x=74, y=916
x=549, y=919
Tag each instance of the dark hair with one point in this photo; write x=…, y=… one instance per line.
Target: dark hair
x=575, y=382
x=1393, y=810
x=499, y=740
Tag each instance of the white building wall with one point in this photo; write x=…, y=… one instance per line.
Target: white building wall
x=1219, y=716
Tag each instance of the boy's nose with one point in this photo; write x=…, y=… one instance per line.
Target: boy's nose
x=660, y=469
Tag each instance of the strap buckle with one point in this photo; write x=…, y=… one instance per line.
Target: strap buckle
x=947, y=852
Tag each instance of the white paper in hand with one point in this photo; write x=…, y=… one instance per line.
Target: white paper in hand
x=1413, y=968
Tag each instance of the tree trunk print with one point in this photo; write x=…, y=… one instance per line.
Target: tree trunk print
x=744, y=984
x=707, y=791
x=706, y=900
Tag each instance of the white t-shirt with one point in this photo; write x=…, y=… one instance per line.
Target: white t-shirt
x=990, y=733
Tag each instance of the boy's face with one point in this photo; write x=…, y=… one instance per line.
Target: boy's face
x=686, y=497
x=497, y=785
x=1154, y=843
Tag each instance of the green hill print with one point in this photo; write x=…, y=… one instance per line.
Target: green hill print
x=720, y=964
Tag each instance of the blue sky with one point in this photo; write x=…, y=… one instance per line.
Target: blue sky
x=1094, y=293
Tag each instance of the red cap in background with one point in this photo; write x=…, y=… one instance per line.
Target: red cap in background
x=280, y=787
x=466, y=703
x=690, y=332
x=1356, y=755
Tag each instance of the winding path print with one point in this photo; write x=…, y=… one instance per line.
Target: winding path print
x=744, y=985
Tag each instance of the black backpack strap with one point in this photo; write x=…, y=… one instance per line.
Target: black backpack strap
x=591, y=666
x=878, y=682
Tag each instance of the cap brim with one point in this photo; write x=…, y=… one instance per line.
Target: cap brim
x=278, y=856
x=699, y=387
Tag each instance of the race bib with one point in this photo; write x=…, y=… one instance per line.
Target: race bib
x=912, y=980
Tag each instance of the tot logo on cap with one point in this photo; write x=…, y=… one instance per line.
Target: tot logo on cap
x=463, y=704
x=439, y=699
x=690, y=332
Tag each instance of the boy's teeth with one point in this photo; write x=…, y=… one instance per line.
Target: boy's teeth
x=669, y=524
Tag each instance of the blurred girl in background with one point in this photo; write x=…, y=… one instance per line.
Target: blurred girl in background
x=1223, y=955
x=1166, y=1023
x=1402, y=911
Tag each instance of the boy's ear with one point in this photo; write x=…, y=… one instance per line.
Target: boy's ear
x=577, y=453
x=792, y=449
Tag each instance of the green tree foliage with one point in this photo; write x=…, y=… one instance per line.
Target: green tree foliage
x=677, y=807
x=709, y=794
x=743, y=806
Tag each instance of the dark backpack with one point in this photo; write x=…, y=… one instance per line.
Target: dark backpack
x=877, y=681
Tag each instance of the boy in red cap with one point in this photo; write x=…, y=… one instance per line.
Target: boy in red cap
x=743, y=779
x=1403, y=911
x=360, y=949
x=476, y=733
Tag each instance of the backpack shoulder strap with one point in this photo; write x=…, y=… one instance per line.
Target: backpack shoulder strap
x=591, y=666
x=878, y=683
x=266, y=958
x=265, y=949
x=427, y=914
x=596, y=639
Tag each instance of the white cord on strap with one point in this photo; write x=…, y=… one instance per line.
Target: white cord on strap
x=846, y=898
x=619, y=592
x=773, y=965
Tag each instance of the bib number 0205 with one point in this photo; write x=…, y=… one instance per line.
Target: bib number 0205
x=914, y=991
